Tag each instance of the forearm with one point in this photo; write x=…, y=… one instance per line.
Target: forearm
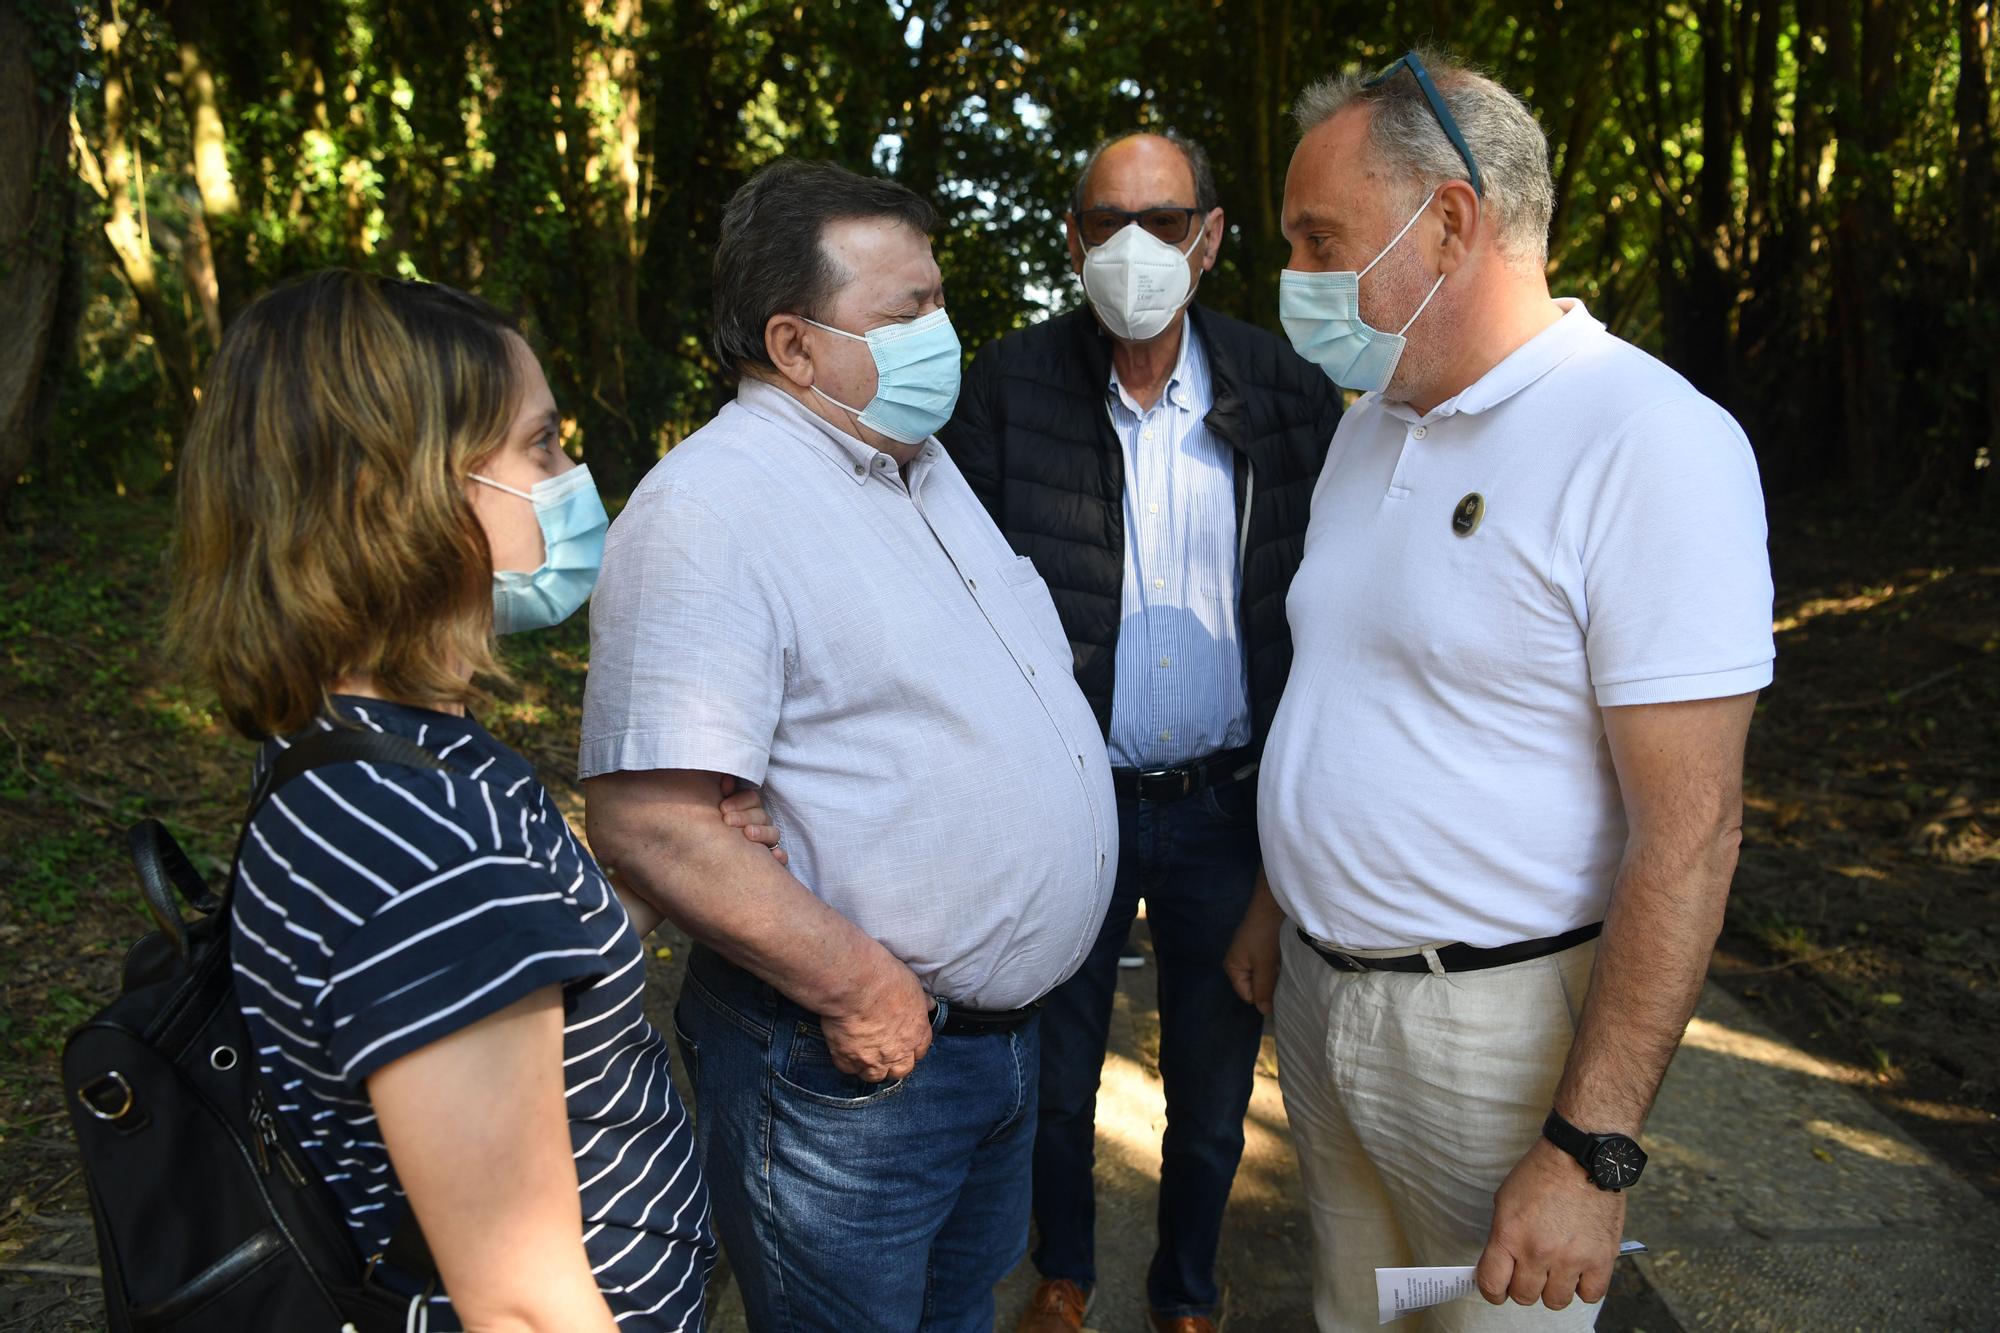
x=730, y=894
x=1659, y=930
x=645, y=917
x=573, y=1306
x=1263, y=903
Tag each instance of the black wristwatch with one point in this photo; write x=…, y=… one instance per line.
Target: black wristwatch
x=1612, y=1161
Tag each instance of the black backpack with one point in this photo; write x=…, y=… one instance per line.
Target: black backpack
x=207, y=1216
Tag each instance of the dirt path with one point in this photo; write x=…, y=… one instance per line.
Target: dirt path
x=1865, y=927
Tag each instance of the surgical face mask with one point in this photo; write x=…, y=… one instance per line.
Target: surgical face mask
x=916, y=376
x=573, y=522
x=1137, y=282
x=1321, y=313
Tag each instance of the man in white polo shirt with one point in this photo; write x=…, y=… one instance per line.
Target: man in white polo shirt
x=1502, y=794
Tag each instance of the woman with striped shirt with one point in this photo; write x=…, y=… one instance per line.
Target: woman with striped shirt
x=444, y=990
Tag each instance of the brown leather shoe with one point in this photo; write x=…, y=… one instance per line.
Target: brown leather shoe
x=1180, y=1323
x=1059, y=1306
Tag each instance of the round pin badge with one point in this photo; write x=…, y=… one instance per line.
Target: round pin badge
x=1465, y=518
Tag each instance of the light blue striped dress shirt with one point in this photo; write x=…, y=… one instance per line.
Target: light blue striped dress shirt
x=1179, y=689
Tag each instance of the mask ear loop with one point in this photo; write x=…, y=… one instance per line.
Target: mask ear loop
x=1201, y=273
x=1421, y=210
x=1420, y=309
x=1399, y=235
x=854, y=412
x=500, y=486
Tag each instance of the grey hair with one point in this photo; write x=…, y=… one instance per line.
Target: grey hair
x=1505, y=139
x=1205, y=197
x=770, y=260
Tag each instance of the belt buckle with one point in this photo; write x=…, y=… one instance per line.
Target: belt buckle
x=1185, y=774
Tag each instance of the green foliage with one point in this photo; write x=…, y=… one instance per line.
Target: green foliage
x=44, y=885
x=1792, y=201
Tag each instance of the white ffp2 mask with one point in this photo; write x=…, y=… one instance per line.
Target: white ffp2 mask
x=1137, y=282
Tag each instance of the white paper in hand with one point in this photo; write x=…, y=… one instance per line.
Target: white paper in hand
x=1398, y=1291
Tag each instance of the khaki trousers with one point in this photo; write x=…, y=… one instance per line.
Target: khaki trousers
x=1410, y=1097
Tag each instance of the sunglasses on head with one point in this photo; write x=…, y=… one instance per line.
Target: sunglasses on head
x=1411, y=63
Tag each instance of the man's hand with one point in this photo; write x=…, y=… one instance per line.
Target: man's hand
x=886, y=1029
x=1555, y=1234
x=743, y=808
x=1252, y=960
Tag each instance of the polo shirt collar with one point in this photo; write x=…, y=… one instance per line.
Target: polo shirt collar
x=1522, y=367
x=856, y=458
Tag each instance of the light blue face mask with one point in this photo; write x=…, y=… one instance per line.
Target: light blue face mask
x=916, y=376
x=573, y=523
x=1321, y=313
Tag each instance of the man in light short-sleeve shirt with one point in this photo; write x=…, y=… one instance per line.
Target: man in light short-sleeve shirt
x=806, y=595
x=1502, y=793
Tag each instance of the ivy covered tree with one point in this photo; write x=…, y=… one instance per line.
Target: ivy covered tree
x=1791, y=200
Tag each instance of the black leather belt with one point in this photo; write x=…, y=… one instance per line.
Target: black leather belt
x=1174, y=784
x=1458, y=957
x=963, y=1022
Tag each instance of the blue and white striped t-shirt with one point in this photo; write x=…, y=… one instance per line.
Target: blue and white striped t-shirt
x=380, y=908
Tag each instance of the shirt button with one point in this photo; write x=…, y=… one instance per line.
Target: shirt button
x=1165, y=662
x=1166, y=735
x=860, y=471
x=1159, y=583
x=881, y=461
x=1152, y=509
x=1421, y=431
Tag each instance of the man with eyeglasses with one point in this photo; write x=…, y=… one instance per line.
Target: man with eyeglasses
x=1154, y=459
x=1502, y=796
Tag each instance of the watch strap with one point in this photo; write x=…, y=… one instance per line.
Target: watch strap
x=1569, y=1138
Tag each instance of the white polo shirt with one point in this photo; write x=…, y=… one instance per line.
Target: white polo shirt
x=1438, y=771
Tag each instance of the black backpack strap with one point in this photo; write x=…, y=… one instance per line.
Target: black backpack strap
x=165, y=870
x=407, y=1251
x=342, y=745
x=320, y=749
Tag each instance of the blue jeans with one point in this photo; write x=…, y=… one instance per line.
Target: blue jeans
x=1194, y=862
x=847, y=1205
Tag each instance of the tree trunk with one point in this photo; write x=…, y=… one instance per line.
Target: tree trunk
x=208, y=143
x=606, y=193
x=1864, y=243
x=114, y=181
x=35, y=208
x=1759, y=126
x=1703, y=339
x=1268, y=93
x=1973, y=112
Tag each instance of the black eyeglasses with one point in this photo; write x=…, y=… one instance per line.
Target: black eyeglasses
x=1438, y=109
x=1098, y=225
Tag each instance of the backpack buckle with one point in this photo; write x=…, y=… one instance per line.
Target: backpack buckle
x=108, y=1097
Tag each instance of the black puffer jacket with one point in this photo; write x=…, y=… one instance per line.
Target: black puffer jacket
x=1032, y=437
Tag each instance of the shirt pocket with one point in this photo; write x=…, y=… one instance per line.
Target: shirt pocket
x=1031, y=592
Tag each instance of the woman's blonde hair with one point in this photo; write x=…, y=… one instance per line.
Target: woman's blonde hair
x=324, y=531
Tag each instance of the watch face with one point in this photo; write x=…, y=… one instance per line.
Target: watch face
x=1616, y=1163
